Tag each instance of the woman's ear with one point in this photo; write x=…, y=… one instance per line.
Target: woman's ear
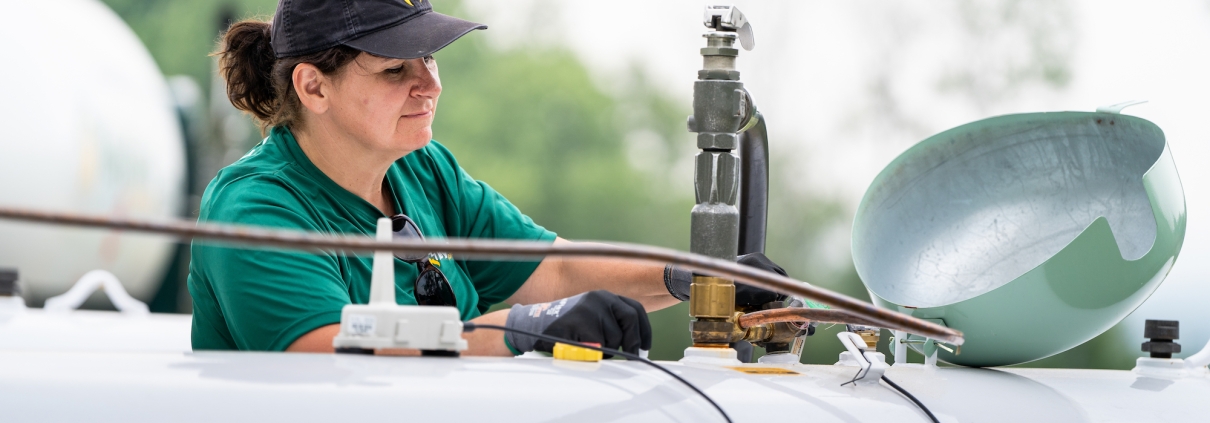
x=309, y=85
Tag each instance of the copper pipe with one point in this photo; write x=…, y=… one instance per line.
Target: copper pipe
x=795, y=314
x=495, y=249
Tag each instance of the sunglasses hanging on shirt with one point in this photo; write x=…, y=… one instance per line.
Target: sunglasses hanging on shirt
x=432, y=287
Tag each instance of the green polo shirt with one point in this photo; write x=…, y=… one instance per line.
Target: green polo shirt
x=264, y=299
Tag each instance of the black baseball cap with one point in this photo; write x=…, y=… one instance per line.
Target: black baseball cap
x=400, y=29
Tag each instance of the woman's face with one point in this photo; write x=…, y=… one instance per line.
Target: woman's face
x=386, y=104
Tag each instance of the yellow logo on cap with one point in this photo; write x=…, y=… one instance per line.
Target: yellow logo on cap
x=409, y=2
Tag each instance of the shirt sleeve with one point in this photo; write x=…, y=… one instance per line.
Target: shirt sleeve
x=482, y=212
x=269, y=298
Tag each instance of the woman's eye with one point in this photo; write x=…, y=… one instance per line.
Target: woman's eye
x=397, y=69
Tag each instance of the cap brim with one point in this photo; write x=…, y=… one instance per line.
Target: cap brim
x=417, y=37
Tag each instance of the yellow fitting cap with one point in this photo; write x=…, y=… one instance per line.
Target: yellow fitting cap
x=570, y=352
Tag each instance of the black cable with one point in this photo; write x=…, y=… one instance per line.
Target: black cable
x=470, y=327
x=911, y=397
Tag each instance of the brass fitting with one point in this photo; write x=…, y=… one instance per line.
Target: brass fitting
x=712, y=304
x=720, y=332
x=711, y=297
x=758, y=333
x=773, y=333
x=707, y=332
x=710, y=331
x=870, y=336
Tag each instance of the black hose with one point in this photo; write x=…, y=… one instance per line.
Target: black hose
x=470, y=327
x=911, y=397
x=754, y=187
x=753, y=202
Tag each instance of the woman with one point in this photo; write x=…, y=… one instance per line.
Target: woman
x=347, y=96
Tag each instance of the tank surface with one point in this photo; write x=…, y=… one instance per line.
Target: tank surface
x=245, y=386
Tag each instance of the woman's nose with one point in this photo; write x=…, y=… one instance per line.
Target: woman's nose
x=427, y=82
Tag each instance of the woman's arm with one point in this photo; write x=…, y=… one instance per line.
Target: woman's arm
x=555, y=278
x=480, y=342
x=562, y=277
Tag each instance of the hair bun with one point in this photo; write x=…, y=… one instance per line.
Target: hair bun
x=246, y=63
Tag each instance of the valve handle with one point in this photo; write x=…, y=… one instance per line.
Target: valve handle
x=730, y=19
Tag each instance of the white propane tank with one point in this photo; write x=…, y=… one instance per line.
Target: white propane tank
x=87, y=125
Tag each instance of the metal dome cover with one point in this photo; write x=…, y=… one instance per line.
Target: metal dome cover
x=1031, y=233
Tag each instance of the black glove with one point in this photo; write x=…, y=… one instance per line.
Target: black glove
x=751, y=296
x=677, y=280
x=614, y=321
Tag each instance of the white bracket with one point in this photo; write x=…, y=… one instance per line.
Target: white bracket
x=385, y=324
x=900, y=347
x=872, y=363
x=89, y=283
x=928, y=348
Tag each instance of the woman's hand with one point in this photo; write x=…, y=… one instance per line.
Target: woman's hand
x=751, y=296
x=677, y=281
x=600, y=317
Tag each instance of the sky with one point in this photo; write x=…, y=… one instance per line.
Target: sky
x=847, y=86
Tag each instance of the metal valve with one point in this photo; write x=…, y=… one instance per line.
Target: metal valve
x=723, y=113
x=730, y=19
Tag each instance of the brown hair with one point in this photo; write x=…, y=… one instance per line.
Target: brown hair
x=263, y=85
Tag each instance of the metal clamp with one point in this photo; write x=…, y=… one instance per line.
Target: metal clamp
x=872, y=365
